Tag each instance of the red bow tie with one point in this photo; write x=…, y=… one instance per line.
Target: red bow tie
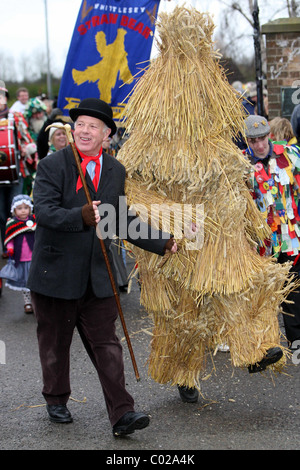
x=85, y=161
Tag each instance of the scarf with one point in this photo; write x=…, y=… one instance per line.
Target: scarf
x=85, y=161
x=15, y=227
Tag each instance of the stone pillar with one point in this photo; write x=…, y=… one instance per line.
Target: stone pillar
x=283, y=65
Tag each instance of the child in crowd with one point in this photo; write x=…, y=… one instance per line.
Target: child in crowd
x=281, y=130
x=19, y=241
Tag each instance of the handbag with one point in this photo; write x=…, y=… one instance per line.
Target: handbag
x=9, y=271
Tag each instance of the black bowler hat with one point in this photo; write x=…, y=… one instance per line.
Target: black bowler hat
x=95, y=108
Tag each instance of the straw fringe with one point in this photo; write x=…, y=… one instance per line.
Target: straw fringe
x=183, y=337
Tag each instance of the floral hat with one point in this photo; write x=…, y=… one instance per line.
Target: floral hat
x=34, y=105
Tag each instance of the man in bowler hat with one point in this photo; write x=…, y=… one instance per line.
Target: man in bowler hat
x=68, y=278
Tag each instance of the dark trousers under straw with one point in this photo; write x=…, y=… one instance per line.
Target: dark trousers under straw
x=291, y=317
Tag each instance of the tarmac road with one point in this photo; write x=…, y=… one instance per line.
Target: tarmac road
x=237, y=411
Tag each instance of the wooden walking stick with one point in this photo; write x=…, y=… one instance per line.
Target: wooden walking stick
x=67, y=128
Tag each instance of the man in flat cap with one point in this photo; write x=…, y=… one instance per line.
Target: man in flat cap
x=68, y=277
x=275, y=186
x=257, y=132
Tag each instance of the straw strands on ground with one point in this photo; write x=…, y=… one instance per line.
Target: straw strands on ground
x=182, y=118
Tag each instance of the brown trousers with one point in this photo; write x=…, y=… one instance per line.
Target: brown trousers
x=95, y=320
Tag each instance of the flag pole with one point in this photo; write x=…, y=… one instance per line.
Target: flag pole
x=49, y=84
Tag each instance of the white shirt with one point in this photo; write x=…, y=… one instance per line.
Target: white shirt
x=18, y=107
x=91, y=168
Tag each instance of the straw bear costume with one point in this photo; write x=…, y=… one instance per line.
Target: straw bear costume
x=182, y=118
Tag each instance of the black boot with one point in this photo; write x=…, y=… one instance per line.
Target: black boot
x=273, y=355
x=130, y=422
x=59, y=414
x=188, y=395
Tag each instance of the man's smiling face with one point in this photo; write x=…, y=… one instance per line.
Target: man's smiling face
x=89, y=134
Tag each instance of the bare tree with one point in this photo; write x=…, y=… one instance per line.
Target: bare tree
x=33, y=66
x=7, y=67
x=293, y=8
x=26, y=69
x=235, y=33
x=40, y=61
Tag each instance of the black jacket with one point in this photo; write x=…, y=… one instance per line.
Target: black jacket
x=66, y=252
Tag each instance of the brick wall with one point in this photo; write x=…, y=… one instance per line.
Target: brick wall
x=283, y=65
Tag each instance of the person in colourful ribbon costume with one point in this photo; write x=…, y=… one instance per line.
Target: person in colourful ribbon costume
x=275, y=186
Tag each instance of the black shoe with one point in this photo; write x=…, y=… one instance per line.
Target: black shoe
x=273, y=355
x=123, y=288
x=130, y=422
x=188, y=395
x=59, y=414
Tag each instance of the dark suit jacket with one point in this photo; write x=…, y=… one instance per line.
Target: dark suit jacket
x=66, y=252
